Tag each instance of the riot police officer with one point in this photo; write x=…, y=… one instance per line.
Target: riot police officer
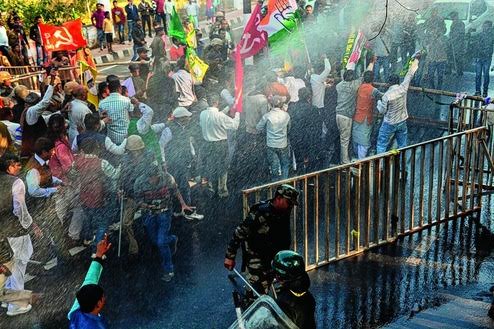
x=264, y=232
x=294, y=297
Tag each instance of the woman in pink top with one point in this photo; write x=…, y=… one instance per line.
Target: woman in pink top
x=61, y=161
x=60, y=165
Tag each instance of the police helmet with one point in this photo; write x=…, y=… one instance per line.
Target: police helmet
x=288, y=192
x=288, y=264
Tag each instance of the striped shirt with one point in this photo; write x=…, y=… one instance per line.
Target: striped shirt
x=118, y=108
x=394, y=101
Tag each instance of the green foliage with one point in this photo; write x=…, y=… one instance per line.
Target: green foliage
x=52, y=11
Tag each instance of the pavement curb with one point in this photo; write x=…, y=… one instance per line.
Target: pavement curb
x=108, y=58
x=125, y=53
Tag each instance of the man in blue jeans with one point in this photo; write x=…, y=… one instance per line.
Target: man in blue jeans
x=132, y=15
x=154, y=191
x=483, y=49
x=394, y=107
x=276, y=124
x=97, y=20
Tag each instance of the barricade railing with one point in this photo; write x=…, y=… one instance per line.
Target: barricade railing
x=351, y=208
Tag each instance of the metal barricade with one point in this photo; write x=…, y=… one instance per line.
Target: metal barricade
x=24, y=75
x=351, y=208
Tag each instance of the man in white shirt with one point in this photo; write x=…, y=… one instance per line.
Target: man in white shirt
x=318, y=84
x=15, y=222
x=214, y=125
x=294, y=83
x=78, y=111
x=276, y=123
x=184, y=85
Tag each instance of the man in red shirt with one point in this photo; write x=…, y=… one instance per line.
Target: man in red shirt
x=176, y=50
x=118, y=16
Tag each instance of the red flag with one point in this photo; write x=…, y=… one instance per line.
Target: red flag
x=253, y=41
x=66, y=37
x=239, y=82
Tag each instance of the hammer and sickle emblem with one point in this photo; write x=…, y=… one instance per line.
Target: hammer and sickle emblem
x=63, y=38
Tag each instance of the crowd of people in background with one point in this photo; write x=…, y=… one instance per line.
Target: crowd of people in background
x=148, y=146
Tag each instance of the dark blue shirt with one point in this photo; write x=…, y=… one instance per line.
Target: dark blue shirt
x=132, y=13
x=80, y=320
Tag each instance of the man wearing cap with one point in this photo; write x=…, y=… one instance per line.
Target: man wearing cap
x=181, y=150
x=117, y=108
x=137, y=81
x=263, y=233
x=154, y=191
x=136, y=162
x=141, y=119
x=143, y=60
x=214, y=125
x=5, y=84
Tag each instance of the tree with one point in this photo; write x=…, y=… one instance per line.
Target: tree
x=52, y=11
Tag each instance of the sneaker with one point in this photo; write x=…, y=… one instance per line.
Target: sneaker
x=167, y=277
x=194, y=215
x=50, y=264
x=19, y=310
x=4, y=305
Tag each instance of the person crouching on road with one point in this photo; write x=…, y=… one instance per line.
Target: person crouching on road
x=154, y=191
x=294, y=297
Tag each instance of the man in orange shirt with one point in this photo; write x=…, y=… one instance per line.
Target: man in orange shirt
x=363, y=117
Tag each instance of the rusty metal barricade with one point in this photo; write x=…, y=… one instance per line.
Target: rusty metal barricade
x=25, y=75
x=351, y=208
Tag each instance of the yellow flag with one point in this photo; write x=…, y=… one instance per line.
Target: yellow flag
x=197, y=67
x=88, y=74
x=190, y=38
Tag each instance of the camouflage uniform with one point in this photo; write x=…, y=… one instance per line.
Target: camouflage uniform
x=263, y=234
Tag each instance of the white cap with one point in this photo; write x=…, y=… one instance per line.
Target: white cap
x=181, y=112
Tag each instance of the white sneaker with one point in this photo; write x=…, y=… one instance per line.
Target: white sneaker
x=194, y=215
x=4, y=305
x=19, y=310
x=167, y=277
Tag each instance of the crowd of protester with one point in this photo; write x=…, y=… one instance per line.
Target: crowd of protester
x=143, y=149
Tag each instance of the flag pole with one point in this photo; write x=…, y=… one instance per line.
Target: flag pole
x=305, y=44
